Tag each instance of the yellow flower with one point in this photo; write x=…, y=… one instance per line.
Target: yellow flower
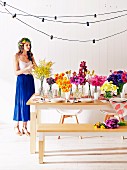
x=43, y=70
x=102, y=127
x=63, y=82
x=109, y=86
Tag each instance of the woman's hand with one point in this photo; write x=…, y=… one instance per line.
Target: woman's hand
x=29, y=68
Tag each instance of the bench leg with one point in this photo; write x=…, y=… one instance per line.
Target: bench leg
x=41, y=147
x=61, y=122
x=77, y=123
x=122, y=137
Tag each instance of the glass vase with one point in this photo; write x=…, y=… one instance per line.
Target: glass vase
x=41, y=90
x=59, y=92
x=108, y=94
x=83, y=91
x=89, y=91
x=77, y=93
x=50, y=93
x=120, y=88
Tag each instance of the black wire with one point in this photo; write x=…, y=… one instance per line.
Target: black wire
x=71, y=16
x=113, y=12
x=66, y=22
x=33, y=27
x=69, y=22
x=73, y=40
x=1, y=4
x=65, y=39
x=111, y=35
x=4, y=12
x=28, y=24
x=82, y=23
x=108, y=19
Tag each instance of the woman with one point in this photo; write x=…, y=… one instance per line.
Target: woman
x=24, y=63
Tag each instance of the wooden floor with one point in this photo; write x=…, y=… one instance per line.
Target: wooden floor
x=91, y=153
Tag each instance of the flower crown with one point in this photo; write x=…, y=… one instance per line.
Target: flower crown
x=23, y=41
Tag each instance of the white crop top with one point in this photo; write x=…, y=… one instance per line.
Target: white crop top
x=23, y=65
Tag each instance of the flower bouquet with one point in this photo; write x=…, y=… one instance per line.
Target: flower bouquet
x=97, y=81
x=58, y=80
x=119, y=78
x=112, y=123
x=50, y=82
x=65, y=85
x=89, y=75
x=109, y=124
x=63, y=82
x=43, y=70
x=77, y=80
x=82, y=73
x=108, y=88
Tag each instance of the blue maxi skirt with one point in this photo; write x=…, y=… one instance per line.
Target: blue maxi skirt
x=24, y=90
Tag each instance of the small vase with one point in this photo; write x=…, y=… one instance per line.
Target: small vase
x=67, y=96
x=122, y=94
x=71, y=93
x=77, y=93
x=41, y=90
x=96, y=95
x=89, y=92
x=119, y=90
x=59, y=92
x=83, y=91
x=50, y=93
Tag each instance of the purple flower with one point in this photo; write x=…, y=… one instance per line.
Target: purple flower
x=112, y=123
x=50, y=80
x=116, y=77
x=82, y=72
x=76, y=80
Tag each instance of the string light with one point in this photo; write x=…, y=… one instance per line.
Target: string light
x=14, y=16
x=51, y=37
x=87, y=23
x=64, y=39
x=70, y=22
x=4, y=3
x=55, y=17
x=43, y=19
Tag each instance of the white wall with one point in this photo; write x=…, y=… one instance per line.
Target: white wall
x=101, y=56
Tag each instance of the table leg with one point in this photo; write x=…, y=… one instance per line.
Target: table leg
x=38, y=117
x=33, y=132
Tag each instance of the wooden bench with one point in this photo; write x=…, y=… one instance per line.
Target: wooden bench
x=73, y=130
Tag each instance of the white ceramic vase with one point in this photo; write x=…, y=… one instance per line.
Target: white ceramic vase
x=122, y=94
x=67, y=95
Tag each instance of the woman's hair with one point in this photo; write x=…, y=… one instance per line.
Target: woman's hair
x=21, y=48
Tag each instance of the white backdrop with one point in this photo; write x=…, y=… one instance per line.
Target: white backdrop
x=105, y=55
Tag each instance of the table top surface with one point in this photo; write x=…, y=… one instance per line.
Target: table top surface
x=87, y=103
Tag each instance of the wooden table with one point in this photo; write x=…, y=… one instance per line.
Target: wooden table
x=35, y=109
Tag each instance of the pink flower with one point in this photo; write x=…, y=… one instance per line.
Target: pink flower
x=97, y=80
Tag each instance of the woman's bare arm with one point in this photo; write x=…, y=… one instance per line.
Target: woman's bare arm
x=34, y=63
